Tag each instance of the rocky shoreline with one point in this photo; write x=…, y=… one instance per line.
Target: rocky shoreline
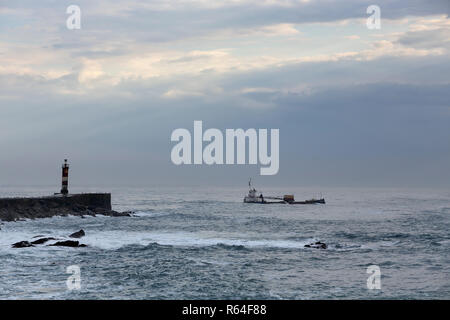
x=50, y=212
x=89, y=204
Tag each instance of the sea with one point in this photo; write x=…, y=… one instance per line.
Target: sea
x=205, y=243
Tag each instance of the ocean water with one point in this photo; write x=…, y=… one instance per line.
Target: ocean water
x=205, y=243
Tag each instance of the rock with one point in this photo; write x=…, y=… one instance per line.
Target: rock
x=42, y=240
x=316, y=245
x=119, y=214
x=22, y=244
x=68, y=243
x=78, y=234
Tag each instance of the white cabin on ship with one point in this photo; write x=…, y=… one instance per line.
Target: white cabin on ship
x=253, y=196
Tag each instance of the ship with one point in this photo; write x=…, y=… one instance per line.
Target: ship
x=254, y=196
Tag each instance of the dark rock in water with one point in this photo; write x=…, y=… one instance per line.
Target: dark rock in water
x=38, y=236
x=42, y=240
x=112, y=213
x=68, y=243
x=22, y=244
x=78, y=234
x=316, y=245
x=120, y=214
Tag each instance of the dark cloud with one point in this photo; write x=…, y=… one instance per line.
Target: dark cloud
x=358, y=131
x=150, y=24
x=437, y=38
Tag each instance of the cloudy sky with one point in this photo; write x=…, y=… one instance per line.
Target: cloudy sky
x=355, y=107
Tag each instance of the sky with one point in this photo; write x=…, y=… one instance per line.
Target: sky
x=354, y=106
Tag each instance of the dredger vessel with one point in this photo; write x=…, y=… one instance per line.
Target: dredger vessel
x=254, y=196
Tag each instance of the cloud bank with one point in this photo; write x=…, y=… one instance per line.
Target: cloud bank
x=354, y=106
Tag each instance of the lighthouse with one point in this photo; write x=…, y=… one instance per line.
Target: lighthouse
x=65, y=178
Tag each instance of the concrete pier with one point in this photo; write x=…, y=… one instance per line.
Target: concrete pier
x=12, y=209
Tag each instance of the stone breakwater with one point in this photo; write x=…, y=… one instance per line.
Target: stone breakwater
x=13, y=209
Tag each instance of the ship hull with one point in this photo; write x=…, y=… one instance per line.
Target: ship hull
x=253, y=200
x=262, y=201
x=312, y=201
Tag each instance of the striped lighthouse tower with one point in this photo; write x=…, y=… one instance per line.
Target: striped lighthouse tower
x=65, y=178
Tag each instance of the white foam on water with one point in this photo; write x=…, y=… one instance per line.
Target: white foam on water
x=119, y=238
x=116, y=239
x=143, y=213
